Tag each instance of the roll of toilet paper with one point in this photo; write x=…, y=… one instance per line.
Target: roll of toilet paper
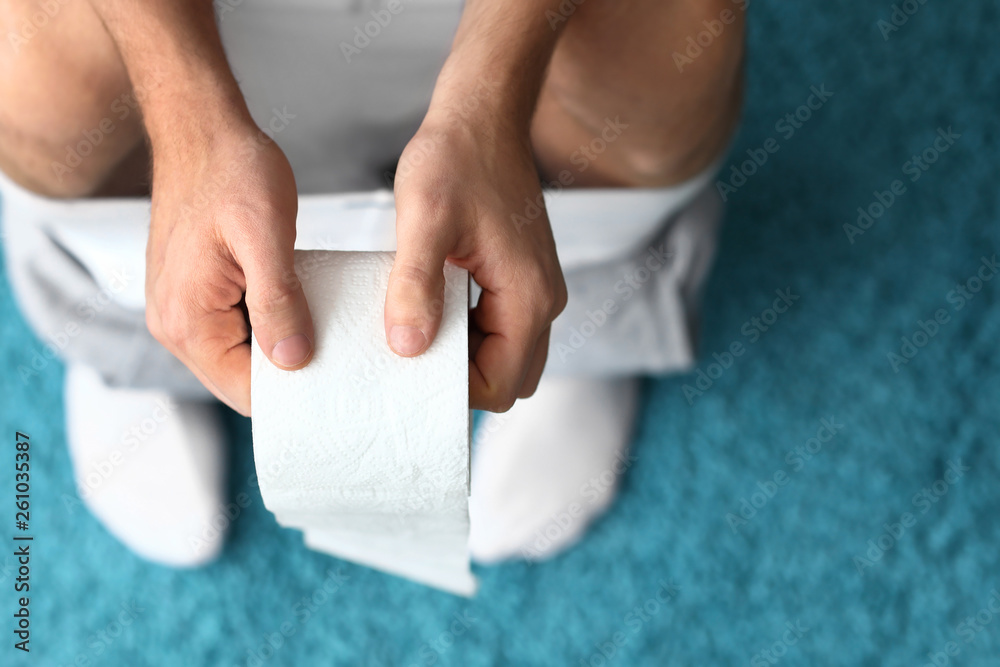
x=367, y=452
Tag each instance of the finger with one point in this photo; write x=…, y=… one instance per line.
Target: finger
x=276, y=305
x=502, y=361
x=536, y=366
x=476, y=338
x=215, y=351
x=231, y=367
x=414, y=300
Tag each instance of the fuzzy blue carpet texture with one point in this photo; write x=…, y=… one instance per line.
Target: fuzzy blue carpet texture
x=823, y=489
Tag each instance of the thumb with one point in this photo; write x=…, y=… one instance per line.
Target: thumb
x=414, y=300
x=279, y=315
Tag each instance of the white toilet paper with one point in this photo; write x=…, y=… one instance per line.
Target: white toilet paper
x=365, y=451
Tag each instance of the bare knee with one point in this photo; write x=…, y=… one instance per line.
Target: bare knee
x=67, y=117
x=618, y=68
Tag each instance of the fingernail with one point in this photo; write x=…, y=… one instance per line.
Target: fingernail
x=407, y=341
x=291, y=351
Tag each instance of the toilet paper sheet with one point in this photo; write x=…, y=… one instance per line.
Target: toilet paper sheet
x=367, y=452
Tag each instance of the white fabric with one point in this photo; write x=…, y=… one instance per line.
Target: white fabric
x=545, y=469
x=151, y=468
x=590, y=226
x=342, y=119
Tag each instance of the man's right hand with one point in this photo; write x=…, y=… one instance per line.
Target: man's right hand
x=223, y=224
x=224, y=202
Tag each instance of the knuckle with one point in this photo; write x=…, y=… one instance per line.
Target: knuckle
x=290, y=278
x=168, y=316
x=550, y=295
x=255, y=228
x=501, y=399
x=560, y=298
x=242, y=216
x=162, y=313
x=163, y=318
x=545, y=305
x=506, y=402
x=409, y=274
x=272, y=299
x=412, y=278
x=174, y=327
x=527, y=392
x=153, y=323
x=425, y=205
x=174, y=322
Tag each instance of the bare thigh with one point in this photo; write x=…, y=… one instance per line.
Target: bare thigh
x=70, y=124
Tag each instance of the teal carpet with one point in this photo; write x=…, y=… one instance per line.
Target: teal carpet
x=750, y=531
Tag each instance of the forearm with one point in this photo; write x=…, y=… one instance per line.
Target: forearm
x=177, y=66
x=499, y=56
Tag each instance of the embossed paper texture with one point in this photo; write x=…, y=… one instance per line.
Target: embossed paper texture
x=364, y=451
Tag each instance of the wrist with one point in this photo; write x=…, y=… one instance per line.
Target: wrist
x=487, y=95
x=497, y=63
x=177, y=66
x=197, y=116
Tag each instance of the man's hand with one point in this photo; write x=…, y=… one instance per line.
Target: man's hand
x=457, y=183
x=223, y=224
x=224, y=202
x=223, y=211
